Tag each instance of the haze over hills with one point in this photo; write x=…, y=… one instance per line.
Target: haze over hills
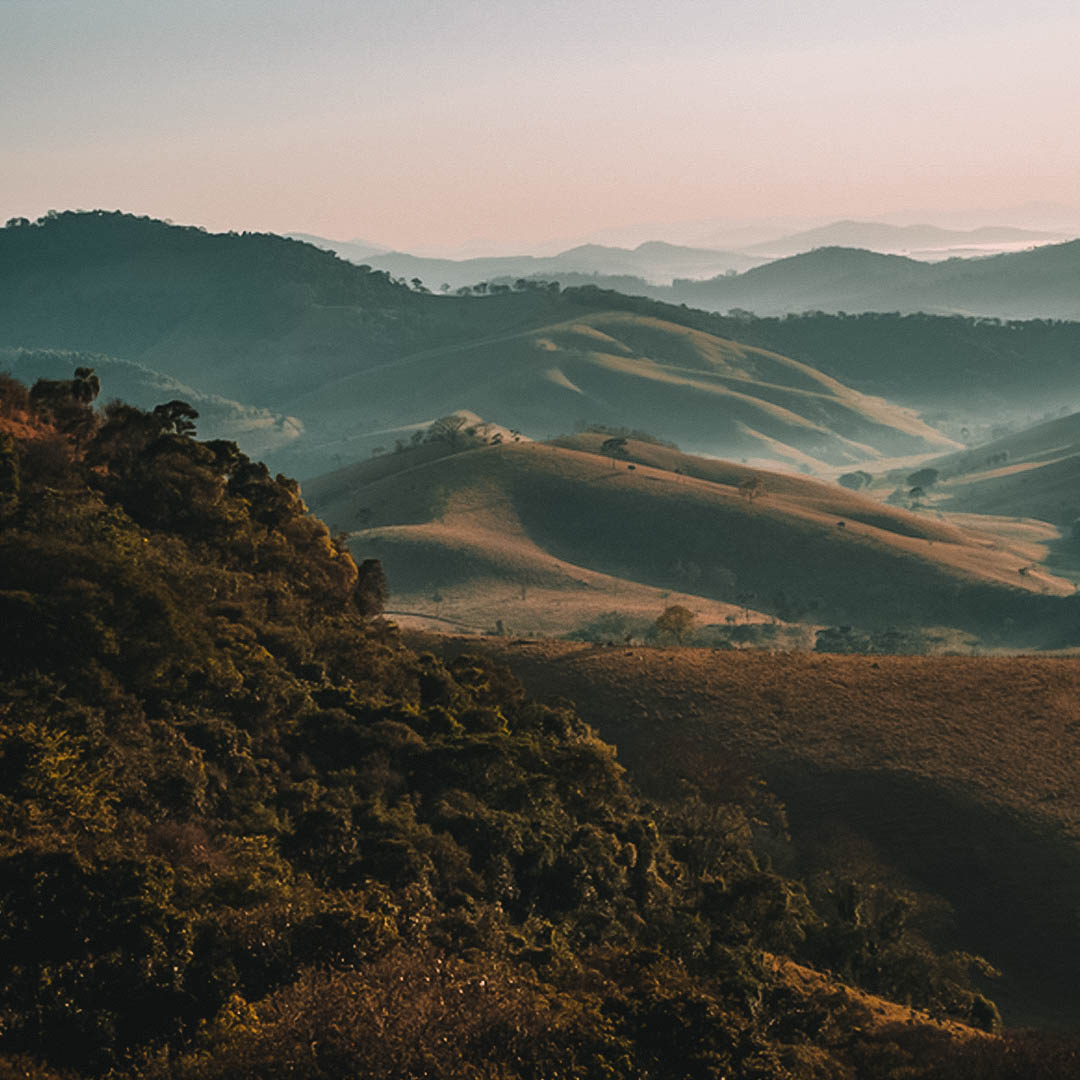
x=655, y=261
x=1040, y=283
x=929, y=242
x=359, y=361
x=1036, y=284
x=710, y=394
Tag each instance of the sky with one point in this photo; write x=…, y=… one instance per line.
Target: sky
x=489, y=127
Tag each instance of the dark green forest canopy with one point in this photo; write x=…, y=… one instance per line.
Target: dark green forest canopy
x=244, y=832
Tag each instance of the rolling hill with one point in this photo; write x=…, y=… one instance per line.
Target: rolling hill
x=359, y=361
x=546, y=537
x=1034, y=473
x=710, y=394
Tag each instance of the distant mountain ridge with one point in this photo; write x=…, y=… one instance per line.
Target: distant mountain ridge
x=900, y=239
x=1041, y=283
x=654, y=261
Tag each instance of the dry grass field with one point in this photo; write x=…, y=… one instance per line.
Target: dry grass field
x=546, y=537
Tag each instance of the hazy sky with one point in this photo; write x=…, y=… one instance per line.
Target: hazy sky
x=427, y=124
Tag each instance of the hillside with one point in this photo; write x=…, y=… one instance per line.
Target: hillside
x=952, y=774
x=541, y=536
x=710, y=394
x=1034, y=473
x=280, y=326
x=246, y=833
x=261, y=431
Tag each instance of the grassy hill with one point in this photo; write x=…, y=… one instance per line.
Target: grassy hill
x=710, y=394
x=953, y=774
x=541, y=536
x=1033, y=473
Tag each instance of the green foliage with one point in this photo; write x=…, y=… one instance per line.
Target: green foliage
x=245, y=832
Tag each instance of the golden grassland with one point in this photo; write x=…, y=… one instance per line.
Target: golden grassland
x=543, y=537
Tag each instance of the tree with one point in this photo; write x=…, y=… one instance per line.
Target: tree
x=752, y=488
x=615, y=448
x=176, y=418
x=675, y=623
x=372, y=589
x=448, y=429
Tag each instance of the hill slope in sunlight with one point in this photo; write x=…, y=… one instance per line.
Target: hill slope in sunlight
x=488, y=525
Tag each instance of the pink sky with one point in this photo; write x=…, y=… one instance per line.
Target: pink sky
x=488, y=128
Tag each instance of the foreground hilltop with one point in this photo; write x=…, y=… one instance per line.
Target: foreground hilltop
x=547, y=536
x=245, y=832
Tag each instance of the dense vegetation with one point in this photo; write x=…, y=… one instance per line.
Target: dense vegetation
x=244, y=832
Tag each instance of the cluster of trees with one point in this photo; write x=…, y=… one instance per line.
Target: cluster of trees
x=246, y=833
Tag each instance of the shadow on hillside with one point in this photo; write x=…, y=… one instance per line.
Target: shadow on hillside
x=1014, y=886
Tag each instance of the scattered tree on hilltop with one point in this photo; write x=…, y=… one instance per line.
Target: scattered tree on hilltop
x=752, y=488
x=675, y=623
x=615, y=448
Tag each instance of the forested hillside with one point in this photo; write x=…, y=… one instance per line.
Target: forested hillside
x=244, y=832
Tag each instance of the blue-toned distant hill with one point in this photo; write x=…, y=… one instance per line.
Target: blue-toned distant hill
x=653, y=261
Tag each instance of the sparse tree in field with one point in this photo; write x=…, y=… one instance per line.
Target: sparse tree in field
x=674, y=623
x=444, y=288
x=752, y=488
x=615, y=448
